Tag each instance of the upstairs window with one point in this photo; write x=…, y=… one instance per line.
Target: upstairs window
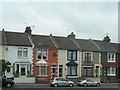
x=72, y=55
x=87, y=56
x=111, y=57
x=42, y=54
x=22, y=52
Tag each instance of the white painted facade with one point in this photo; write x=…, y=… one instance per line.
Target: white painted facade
x=2, y=52
x=62, y=60
x=11, y=54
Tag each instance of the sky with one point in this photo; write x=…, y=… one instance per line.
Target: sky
x=86, y=19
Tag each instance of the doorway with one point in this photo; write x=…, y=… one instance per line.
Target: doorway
x=22, y=71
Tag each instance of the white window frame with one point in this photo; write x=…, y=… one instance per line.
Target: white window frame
x=46, y=69
x=84, y=56
x=54, y=66
x=110, y=60
x=22, y=49
x=42, y=54
x=111, y=69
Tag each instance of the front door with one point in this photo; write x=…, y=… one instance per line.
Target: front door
x=22, y=71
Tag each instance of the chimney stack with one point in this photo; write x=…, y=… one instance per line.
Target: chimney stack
x=107, y=39
x=28, y=30
x=71, y=36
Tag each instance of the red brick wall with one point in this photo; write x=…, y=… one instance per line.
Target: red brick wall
x=33, y=60
x=51, y=59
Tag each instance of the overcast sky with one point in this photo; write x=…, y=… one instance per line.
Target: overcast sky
x=86, y=19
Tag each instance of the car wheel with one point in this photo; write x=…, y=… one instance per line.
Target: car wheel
x=70, y=85
x=97, y=84
x=55, y=85
x=85, y=85
x=9, y=85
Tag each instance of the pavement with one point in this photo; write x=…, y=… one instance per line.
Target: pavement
x=116, y=85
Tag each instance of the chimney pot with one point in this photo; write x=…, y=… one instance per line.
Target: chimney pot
x=28, y=30
x=72, y=35
x=107, y=39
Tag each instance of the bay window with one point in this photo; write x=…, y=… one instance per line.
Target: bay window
x=111, y=71
x=72, y=70
x=41, y=70
x=87, y=71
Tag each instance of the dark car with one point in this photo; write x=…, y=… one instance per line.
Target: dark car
x=7, y=82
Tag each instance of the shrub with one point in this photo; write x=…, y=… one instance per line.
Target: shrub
x=16, y=74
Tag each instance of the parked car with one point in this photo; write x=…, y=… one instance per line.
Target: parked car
x=7, y=82
x=60, y=81
x=88, y=82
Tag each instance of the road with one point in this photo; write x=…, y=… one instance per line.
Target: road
x=111, y=86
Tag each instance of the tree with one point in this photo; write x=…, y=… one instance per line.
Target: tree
x=5, y=65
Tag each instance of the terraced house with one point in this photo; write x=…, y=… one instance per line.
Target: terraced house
x=68, y=57
x=18, y=52
x=109, y=60
x=90, y=59
x=117, y=47
x=45, y=57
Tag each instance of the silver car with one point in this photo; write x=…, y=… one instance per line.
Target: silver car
x=88, y=82
x=60, y=81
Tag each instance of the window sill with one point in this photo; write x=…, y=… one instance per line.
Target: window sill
x=42, y=59
x=22, y=57
x=42, y=75
x=71, y=75
x=112, y=61
x=111, y=75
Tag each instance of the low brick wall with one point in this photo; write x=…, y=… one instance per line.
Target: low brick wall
x=24, y=80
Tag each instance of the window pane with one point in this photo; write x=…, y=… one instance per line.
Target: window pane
x=89, y=56
x=108, y=70
x=37, y=70
x=109, y=57
x=53, y=70
x=84, y=71
x=112, y=57
x=44, y=54
x=85, y=57
x=113, y=70
x=19, y=53
x=43, y=70
x=73, y=70
x=89, y=71
x=39, y=54
x=74, y=55
x=25, y=52
x=69, y=55
x=68, y=70
x=60, y=70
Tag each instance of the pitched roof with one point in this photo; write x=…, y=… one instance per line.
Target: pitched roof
x=65, y=43
x=17, y=39
x=105, y=46
x=42, y=42
x=86, y=45
x=116, y=46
